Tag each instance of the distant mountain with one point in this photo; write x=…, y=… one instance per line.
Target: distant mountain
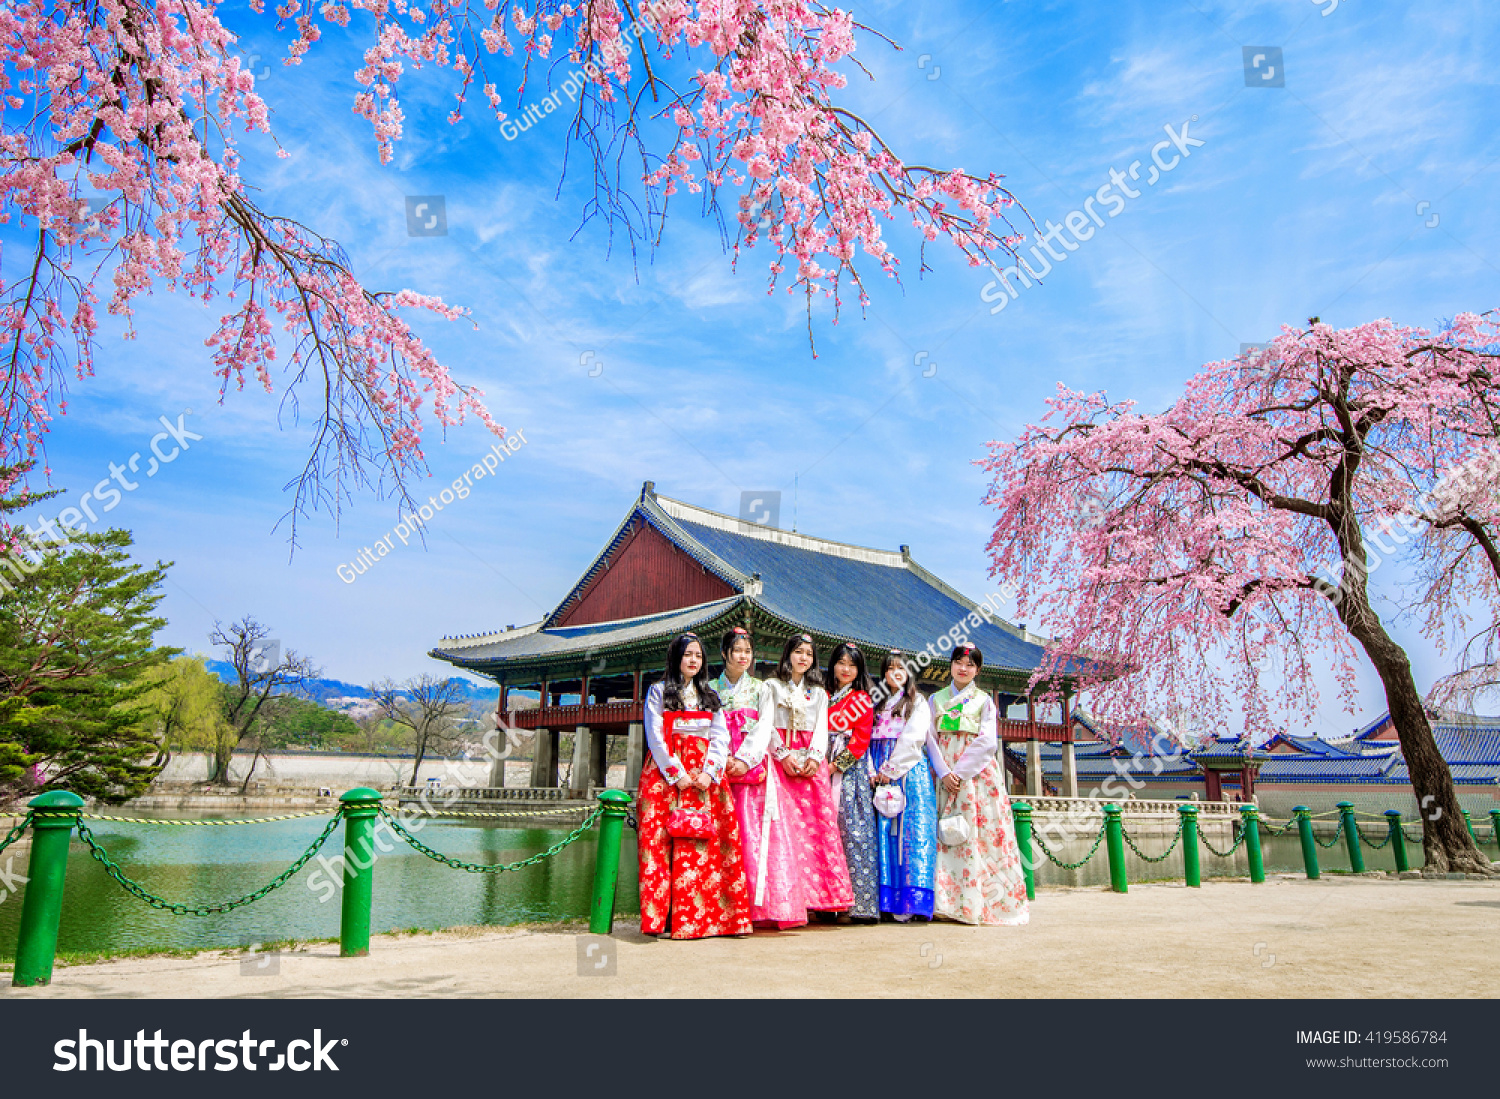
x=327, y=692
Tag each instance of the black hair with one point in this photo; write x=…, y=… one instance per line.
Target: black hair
x=971, y=651
x=861, y=676
x=672, y=682
x=726, y=645
x=813, y=677
x=909, y=692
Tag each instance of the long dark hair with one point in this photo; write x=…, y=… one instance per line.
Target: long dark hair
x=813, y=677
x=672, y=682
x=909, y=692
x=861, y=680
x=972, y=652
x=726, y=644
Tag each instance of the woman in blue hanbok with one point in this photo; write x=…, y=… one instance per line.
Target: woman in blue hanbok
x=907, y=842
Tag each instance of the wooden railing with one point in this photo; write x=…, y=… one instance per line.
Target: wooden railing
x=567, y=717
x=1018, y=729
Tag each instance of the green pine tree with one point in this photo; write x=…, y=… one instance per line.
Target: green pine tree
x=76, y=628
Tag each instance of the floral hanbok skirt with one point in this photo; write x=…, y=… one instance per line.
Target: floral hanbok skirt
x=907, y=843
x=820, y=874
x=693, y=888
x=771, y=874
x=980, y=881
x=856, y=807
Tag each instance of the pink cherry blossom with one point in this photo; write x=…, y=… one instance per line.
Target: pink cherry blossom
x=140, y=101
x=1210, y=556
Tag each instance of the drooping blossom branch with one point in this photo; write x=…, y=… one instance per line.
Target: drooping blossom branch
x=138, y=102
x=1225, y=546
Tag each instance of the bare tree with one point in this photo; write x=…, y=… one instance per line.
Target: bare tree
x=261, y=668
x=429, y=707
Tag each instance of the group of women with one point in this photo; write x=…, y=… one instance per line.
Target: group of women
x=809, y=795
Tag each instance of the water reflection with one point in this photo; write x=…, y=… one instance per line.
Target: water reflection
x=200, y=865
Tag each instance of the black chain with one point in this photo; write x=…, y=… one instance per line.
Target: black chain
x=1337, y=832
x=1037, y=836
x=15, y=833
x=154, y=901
x=1233, y=847
x=1371, y=843
x=489, y=868
x=1158, y=858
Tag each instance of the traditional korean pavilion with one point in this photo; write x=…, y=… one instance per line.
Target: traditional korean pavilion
x=671, y=566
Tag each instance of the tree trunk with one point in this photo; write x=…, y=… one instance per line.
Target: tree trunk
x=223, y=756
x=245, y=786
x=416, y=765
x=1446, y=842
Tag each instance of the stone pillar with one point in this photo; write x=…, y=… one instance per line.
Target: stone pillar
x=1034, y=768
x=497, y=766
x=635, y=755
x=578, y=774
x=544, y=758
x=598, y=755
x=1069, y=771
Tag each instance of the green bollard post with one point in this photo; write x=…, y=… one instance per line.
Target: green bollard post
x=1191, y=871
x=360, y=807
x=1250, y=822
x=1495, y=825
x=1469, y=824
x=53, y=816
x=607, y=860
x=1309, y=845
x=1114, y=839
x=1398, y=840
x=1022, y=812
x=1351, y=837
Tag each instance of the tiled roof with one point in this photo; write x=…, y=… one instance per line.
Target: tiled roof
x=880, y=598
x=1322, y=769
x=1468, y=743
x=581, y=639
x=893, y=603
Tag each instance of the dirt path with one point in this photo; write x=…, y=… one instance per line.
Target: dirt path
x=1357, y=937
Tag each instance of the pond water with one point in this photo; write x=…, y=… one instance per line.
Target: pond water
x=200, y=865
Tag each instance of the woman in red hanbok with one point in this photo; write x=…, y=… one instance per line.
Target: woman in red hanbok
x=692, y=873
x=806, y=857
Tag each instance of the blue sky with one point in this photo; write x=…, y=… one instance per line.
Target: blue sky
x=1305, y=199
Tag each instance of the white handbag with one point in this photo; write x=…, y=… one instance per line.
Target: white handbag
x=889, y=801
x=953, y=830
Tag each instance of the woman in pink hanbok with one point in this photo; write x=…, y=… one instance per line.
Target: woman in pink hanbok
x=801, y=851
x=757, y=792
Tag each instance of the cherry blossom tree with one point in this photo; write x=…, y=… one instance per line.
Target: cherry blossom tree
x=138, y=101
x=1226, y=545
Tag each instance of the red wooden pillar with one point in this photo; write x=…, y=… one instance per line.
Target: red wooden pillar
x=1247, y=782
x=635, y=689
x=1031, y=717
x=1215, y=790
